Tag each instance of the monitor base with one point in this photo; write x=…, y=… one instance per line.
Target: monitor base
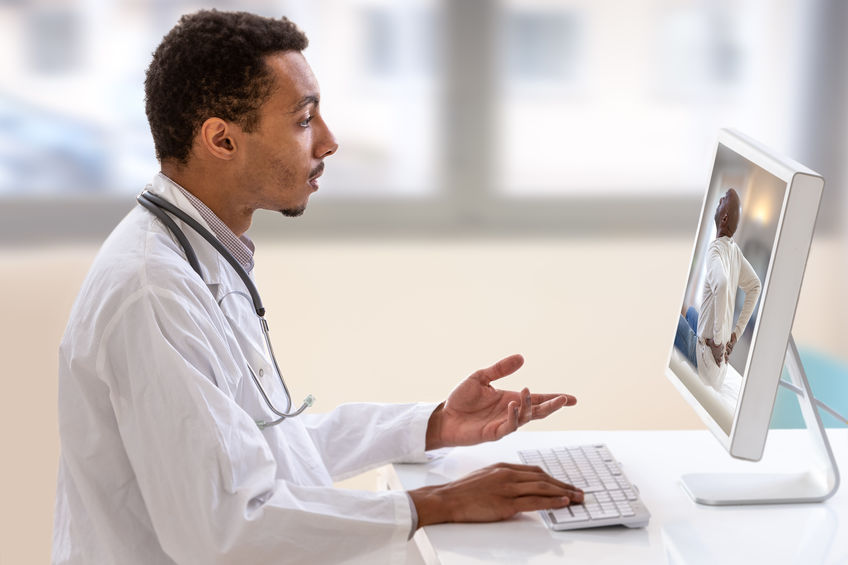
x=727, y=489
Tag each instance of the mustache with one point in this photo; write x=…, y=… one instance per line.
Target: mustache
x=317, y=170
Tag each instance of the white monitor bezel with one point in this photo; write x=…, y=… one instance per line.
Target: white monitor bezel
x=778, y=299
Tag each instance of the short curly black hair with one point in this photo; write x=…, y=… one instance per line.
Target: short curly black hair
x=212, y=64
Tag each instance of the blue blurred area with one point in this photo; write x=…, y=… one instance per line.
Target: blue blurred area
x=828, y=379
x=42, y=151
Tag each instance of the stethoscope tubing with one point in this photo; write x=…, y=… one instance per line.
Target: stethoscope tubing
x=160, y=207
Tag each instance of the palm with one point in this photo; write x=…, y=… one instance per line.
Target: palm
x=480, y=411
x=476, y=411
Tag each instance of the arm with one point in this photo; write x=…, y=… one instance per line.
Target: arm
x=208, y=479
x=716, y=280
x=359, y=436
x=750, y=285
x=355, y=437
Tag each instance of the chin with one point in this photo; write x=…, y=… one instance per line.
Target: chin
x=293, y=212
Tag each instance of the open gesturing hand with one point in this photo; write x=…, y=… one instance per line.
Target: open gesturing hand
x=475, y=411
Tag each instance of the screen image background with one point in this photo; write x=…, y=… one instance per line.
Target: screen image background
x=761, y=195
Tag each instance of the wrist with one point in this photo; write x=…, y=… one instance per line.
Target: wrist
x=431, y=507
x=433, y=437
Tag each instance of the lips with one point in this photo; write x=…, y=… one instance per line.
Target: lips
x=315, y=174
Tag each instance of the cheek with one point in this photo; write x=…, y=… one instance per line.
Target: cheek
x=282, y=172
x=294, y=149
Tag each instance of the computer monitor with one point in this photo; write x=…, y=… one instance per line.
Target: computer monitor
x=735, y=318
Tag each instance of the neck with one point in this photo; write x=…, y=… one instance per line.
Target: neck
x=213, y=190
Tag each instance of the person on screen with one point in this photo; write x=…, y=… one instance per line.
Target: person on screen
x=707, y=336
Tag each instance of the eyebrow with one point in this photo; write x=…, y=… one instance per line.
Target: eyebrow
x=305, y=101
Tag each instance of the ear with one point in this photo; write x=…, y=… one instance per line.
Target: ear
x=218, y=138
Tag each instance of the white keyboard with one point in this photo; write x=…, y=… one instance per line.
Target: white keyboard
x=609, y=498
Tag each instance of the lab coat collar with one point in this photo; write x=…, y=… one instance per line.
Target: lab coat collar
x=211, y=262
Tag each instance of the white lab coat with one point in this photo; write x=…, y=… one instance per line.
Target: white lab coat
x=161, y=461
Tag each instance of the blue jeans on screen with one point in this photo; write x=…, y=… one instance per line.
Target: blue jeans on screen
x=686, y=337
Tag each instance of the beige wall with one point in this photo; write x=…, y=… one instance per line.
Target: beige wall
x=395, y=321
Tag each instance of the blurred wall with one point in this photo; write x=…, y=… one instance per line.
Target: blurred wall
x=401, y=321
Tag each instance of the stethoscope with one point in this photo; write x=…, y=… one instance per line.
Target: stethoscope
x=158, y=206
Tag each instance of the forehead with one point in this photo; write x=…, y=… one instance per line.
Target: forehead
x=293, y=80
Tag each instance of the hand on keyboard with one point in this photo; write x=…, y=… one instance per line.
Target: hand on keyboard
x=493, y=493
x=609, y=497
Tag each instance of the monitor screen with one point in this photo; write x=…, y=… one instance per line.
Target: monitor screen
x=731, y=259
x=744, y=276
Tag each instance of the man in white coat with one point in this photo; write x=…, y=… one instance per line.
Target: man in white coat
x=162, y=460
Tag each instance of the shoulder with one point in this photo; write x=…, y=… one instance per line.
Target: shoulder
x=716, y=247
x=139, y=259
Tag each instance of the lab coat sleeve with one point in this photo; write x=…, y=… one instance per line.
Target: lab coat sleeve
x=356, y=437
x=205, y=472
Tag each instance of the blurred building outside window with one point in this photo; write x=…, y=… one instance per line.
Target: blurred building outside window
x=587, y=98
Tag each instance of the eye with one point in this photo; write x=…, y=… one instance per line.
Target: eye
x=305, y=123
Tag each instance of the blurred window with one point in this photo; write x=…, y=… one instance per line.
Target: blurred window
x=72, y=101
x=575, y=98
x=611, y=97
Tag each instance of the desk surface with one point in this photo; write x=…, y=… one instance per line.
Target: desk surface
x=680, y=530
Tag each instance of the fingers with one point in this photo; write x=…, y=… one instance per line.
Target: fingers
x=534, y=480
x=525, y=410
x=502, y=368
x=517, y=413
x=513, y=412
x=531, y=407
x=529, y=503
x=532, y=485
x=548, y=407
x=516, y=472
x=539, y=397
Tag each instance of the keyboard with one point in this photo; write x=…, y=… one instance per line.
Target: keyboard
x=609, y=498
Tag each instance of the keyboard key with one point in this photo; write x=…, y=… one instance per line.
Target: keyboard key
x=609, y=496
x=579, y=511
x=625, y=508
x=601, y=514
x=564, y=515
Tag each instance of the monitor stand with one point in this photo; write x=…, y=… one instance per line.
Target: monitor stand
x=814, y=485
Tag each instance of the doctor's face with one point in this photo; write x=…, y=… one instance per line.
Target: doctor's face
x=284, y=155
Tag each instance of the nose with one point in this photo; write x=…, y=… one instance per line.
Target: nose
x=327, y=144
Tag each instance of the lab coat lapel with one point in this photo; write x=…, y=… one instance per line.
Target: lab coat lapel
x=211, y=262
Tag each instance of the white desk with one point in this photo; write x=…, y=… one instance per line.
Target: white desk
x=680, y=531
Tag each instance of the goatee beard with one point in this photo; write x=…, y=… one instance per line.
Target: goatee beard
x=293, y=212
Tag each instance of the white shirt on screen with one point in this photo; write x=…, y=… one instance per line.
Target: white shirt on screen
x=726, y=271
